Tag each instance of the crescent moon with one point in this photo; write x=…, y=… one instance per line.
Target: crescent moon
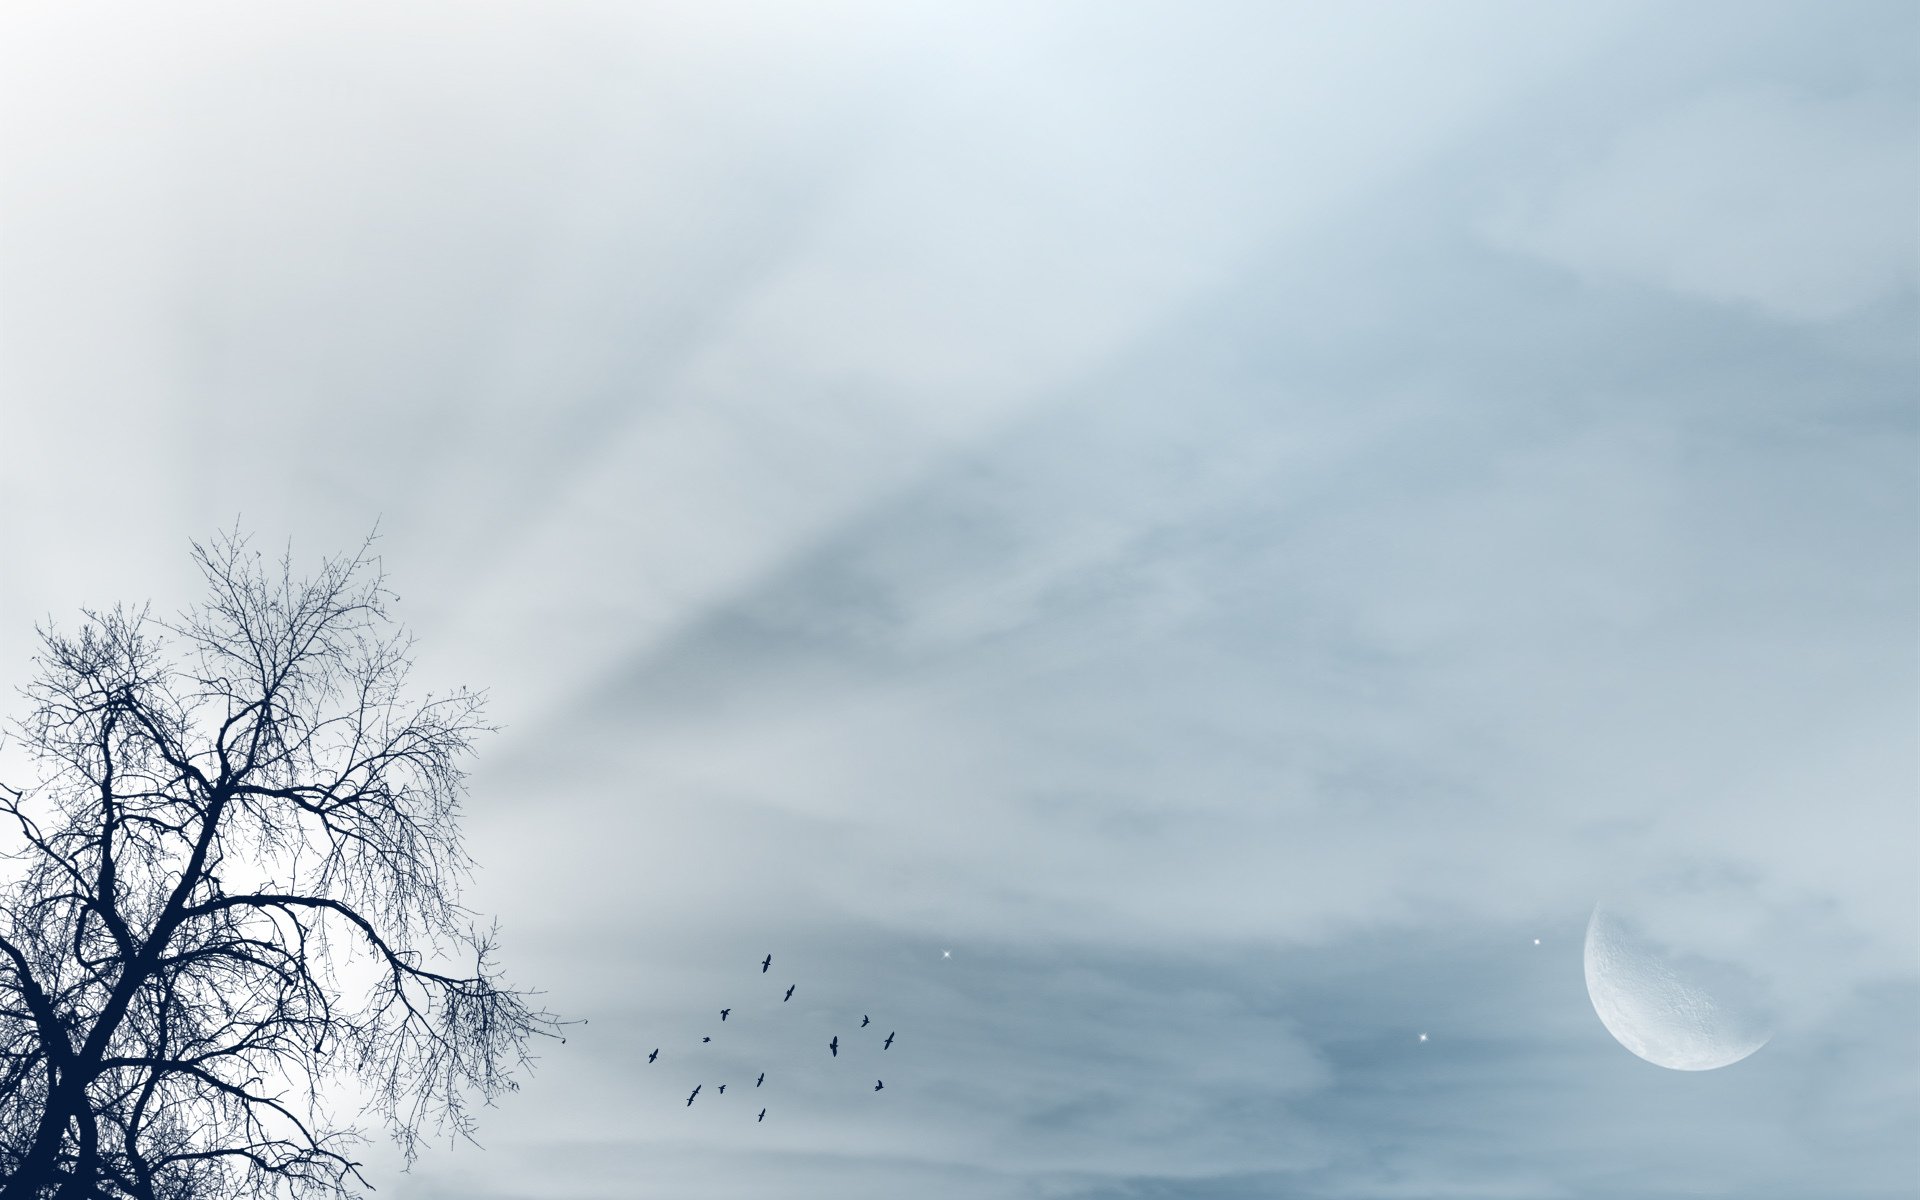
x=1655, y=1009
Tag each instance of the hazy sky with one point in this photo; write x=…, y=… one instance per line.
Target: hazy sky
x=1231, y=519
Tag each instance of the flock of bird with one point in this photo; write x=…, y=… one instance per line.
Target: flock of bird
x=833, y=1047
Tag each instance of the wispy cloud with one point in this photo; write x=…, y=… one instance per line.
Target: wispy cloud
x=1232, y=522
x=1791, y=204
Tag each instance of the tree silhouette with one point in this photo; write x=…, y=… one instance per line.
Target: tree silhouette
x=230, y=903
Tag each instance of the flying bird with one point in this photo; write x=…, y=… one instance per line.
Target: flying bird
x=696, y=1092
x=724, y=1012
x=762, y=1116
x=761, y=1080
x=863, y=1021
x=765, y=963
x=789, y=994
x=654, y=1055
x=888, y=1044
x=706, y=1039
x=722, y=1089
x=877, y=1085
x=834, y=1045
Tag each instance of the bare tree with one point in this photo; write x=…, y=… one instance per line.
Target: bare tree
x=233, y=900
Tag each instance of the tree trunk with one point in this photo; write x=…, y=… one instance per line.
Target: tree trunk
x=36, y=1169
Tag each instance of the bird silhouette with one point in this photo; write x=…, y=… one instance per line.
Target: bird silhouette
x=696, y=1092
x=863, y=1021
x=765, y=963
x=724, y=1012
x=761, y=1080
x=722, y=1089
x=762, y=1116
x=877, y=1085
x=888, y=1044
x=789, y=994
x=834, y=1045
x=654, y=1055
x=706, y=1039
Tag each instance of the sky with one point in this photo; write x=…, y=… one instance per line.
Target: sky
x=1162, y=551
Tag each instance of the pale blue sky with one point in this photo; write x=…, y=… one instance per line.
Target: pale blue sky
x=1232, y=519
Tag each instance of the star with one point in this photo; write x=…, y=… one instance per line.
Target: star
x=1423, y=1037
x=946, y=954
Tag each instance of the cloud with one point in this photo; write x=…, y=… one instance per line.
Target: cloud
x=1078, y=486
x=1798, y=206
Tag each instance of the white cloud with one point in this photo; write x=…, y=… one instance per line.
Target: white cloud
x=1000, y=476
x=1798, y=206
